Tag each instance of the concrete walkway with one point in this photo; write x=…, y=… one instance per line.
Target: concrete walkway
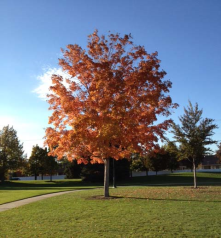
x=25, y=201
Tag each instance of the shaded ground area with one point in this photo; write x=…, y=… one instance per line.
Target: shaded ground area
x=176, y=179
x=42, y=184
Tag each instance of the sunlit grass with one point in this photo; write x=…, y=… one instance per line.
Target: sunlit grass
x=17, y=190
x=131, y=212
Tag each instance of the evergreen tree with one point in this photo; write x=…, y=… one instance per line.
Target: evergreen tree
x=11, y=151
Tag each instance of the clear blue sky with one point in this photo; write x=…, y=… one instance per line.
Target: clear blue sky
x=186, y=34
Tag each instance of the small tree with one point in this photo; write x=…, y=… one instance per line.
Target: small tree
x=194, y=135
x=40, y=162
x=50, y=164
x=110, y=108
x=157, y=160
x=171, y=155
x=11, y=151
x=140, y=163
x=36, y=161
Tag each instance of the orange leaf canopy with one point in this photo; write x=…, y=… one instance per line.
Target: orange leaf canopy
x=112, y=103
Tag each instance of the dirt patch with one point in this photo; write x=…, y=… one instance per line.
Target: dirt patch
x=199, y=188
x=101, y=197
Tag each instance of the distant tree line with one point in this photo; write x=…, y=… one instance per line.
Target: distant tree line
x=165, y=157
x=188, y=149
x=14, y=163
x=94, y=172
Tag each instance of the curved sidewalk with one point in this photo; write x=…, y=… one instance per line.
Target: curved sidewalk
x=25, y=201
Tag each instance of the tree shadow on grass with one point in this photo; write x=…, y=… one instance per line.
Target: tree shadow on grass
x=101, y=197
x=156, y=199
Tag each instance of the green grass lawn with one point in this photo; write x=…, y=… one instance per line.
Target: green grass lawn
x=176, y=179
x=132, y=211
x=17, y=190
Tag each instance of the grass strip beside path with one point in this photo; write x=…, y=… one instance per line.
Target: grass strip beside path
x=17, y=190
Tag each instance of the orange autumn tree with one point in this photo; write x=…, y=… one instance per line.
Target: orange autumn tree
x=109, y=108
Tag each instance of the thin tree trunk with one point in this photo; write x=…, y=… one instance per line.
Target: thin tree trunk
x=2, y=177
x=146, y=172
x=3, y=171
x=51, y=177
x=106, y=177
x=114, y=177
x=41, y=176
x=194, y=173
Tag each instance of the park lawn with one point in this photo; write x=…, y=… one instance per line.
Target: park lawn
x=176, y=179
x=17, y=190
x=130, y=212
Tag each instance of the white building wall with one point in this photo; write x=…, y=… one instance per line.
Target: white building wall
x=54, y=177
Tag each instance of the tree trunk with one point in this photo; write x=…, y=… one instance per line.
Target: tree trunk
x=41, y=176
x=194, y=173
x=2, y=177
x=35, y=176
x=156, y=172
x=106, y=177
x=114, y=177
x=3, y=171
x=146, y=172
